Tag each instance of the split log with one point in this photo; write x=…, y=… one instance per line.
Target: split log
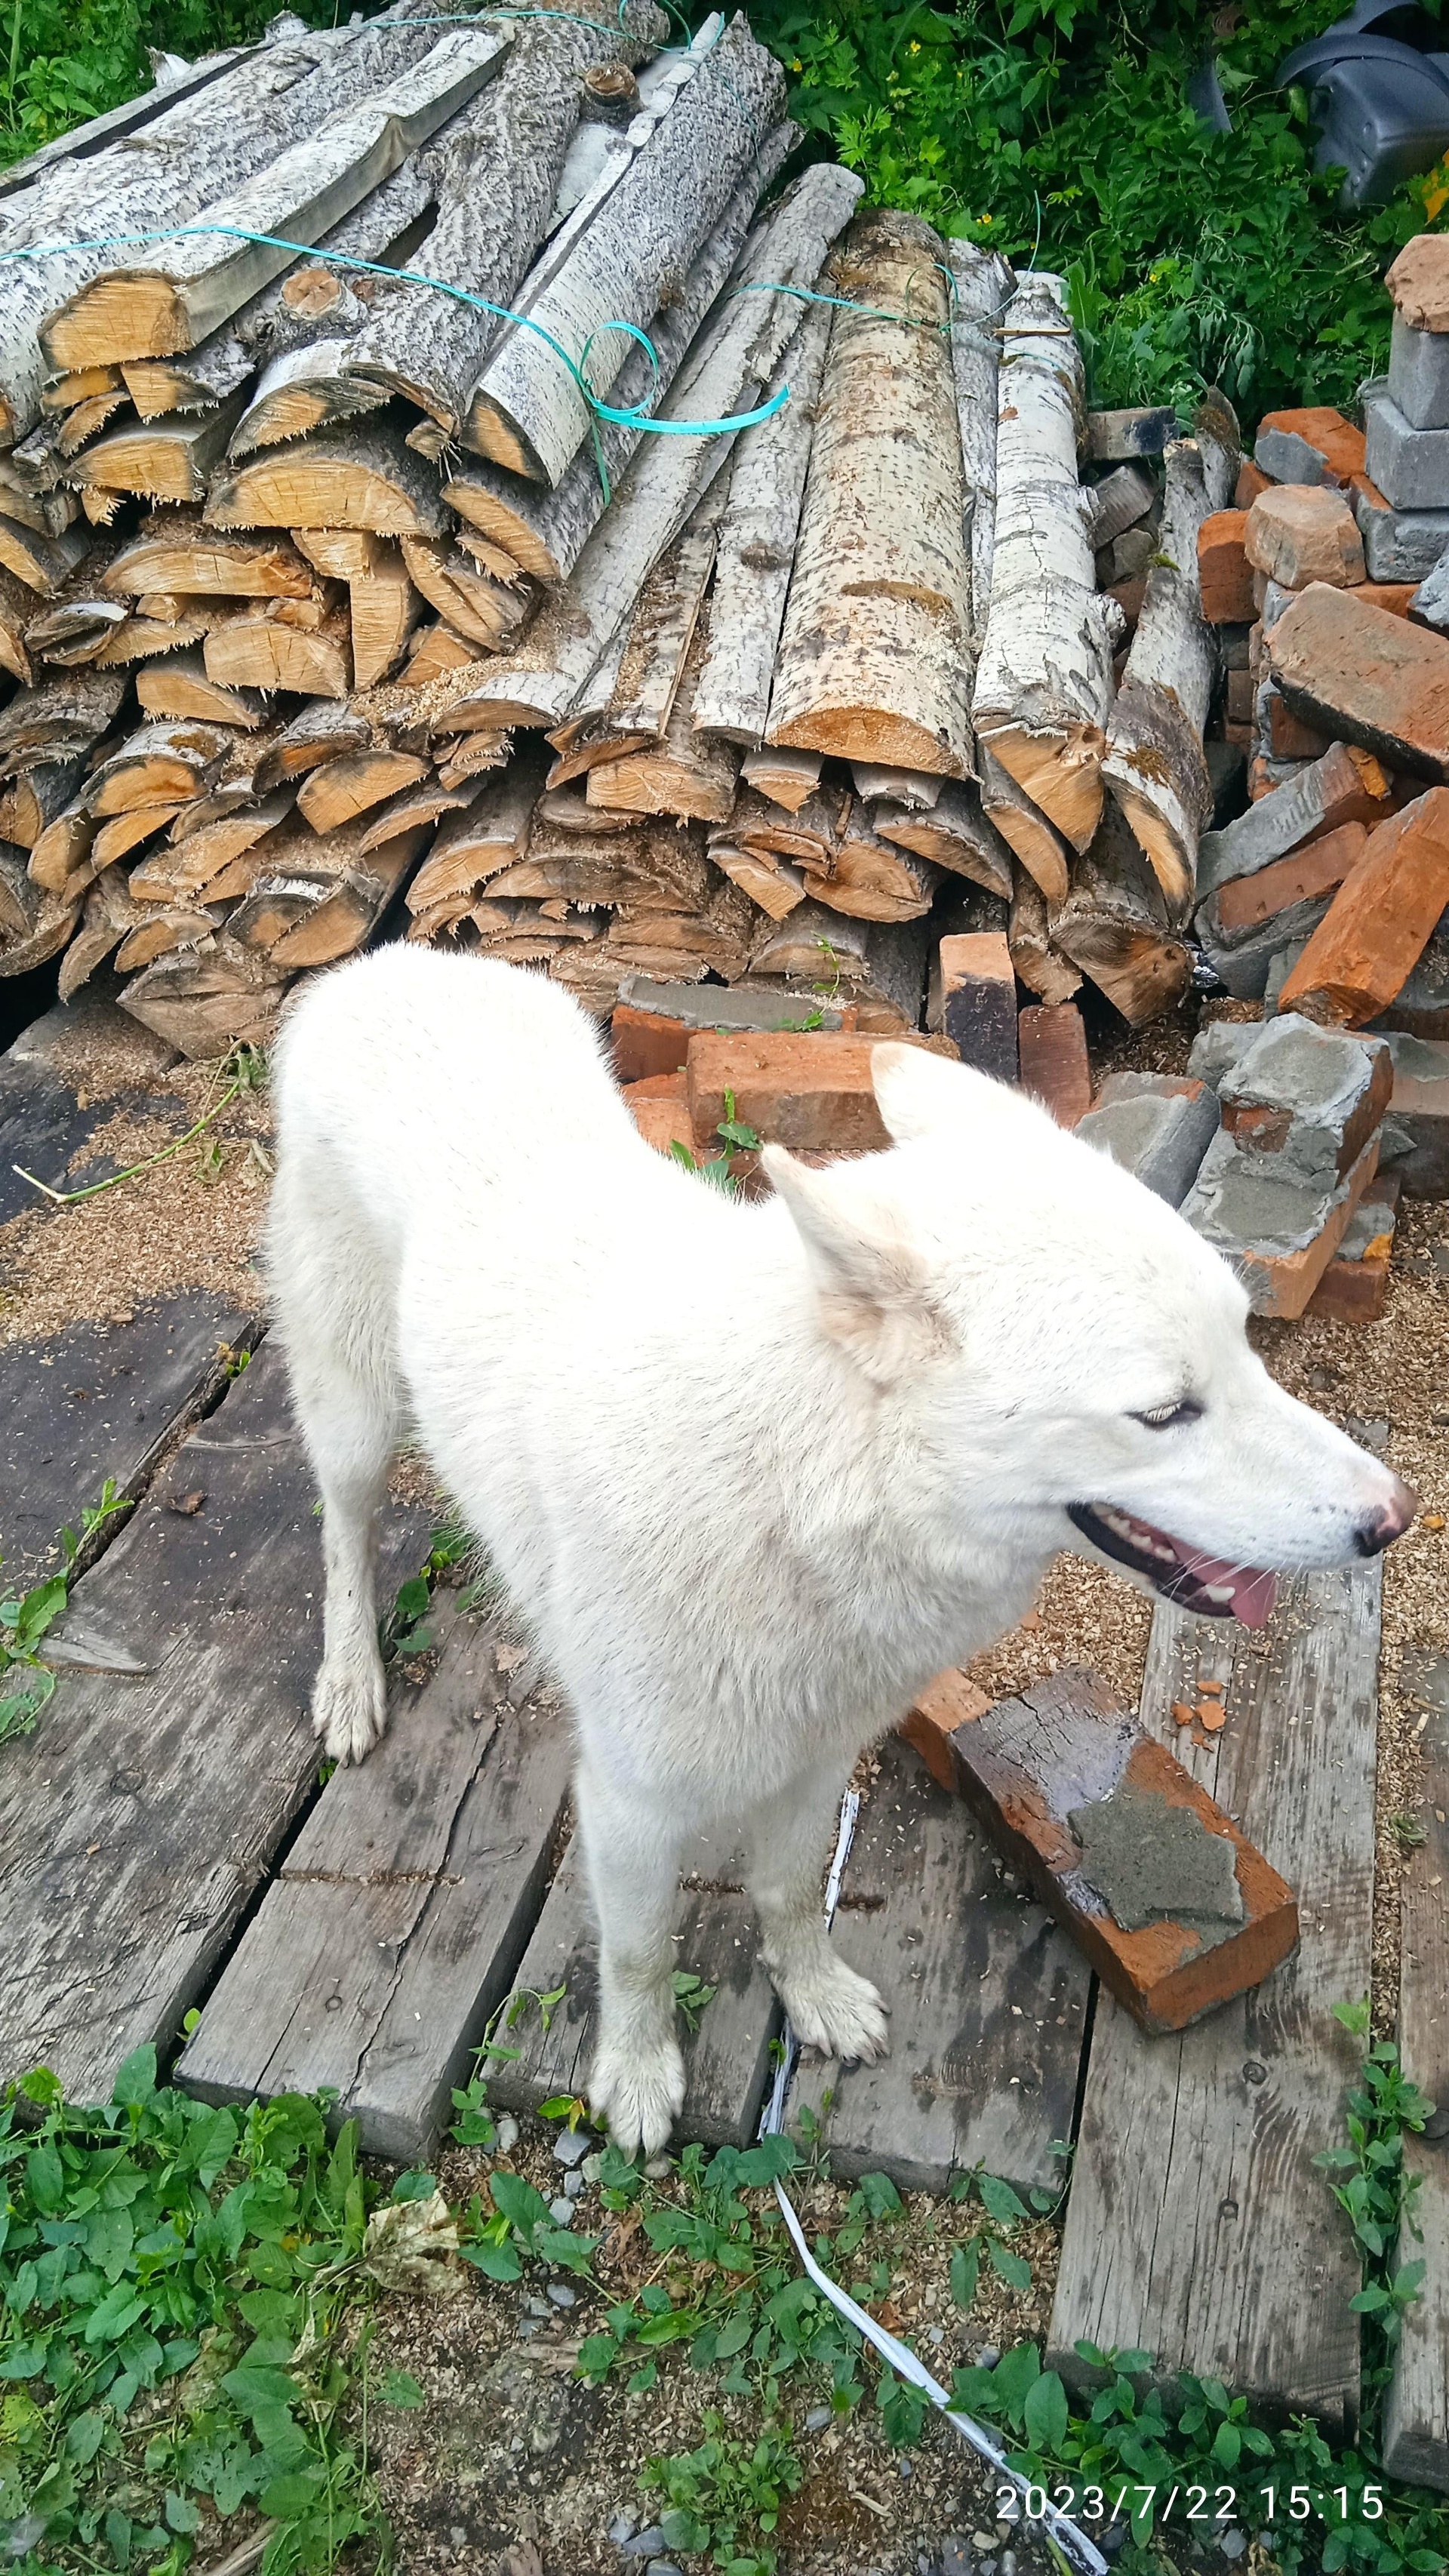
x=261, y=653
x=33, y=800
x=1044, y=684
x=413, y=806
x=956, y=833
x=984, y=287
x=122, y=833
x=873, y=655
x=66, y=392
x=360, y=477
x=17, y=607
x=189, y=867
x=1040, y=966
x=479, y=608
x=43, y=561
x=811, y=834
x=737, y=352
x=184, y=289
x=496, y=186
x=161, y=764
x=913, y=790
x=879, y=967
x=163, y=927
x=185, y=557
x=321, y=899
x=662, y=628
x=178, y=685
x=870, y=880
x=317, y=734
x=1114, y=925
x=470, y=847
x=527, y=412
x=34, y=923
x=74, y=630
x=169, y=173
x=383, y=604
x=788, y=778
x=772, y=883
x=435, y=650
x=1155, y=764
x=756, y=548
x=61, y=851
x=341, y=790
x=168, y=460
x=60, y=720
x=686, y=773
x=209, y=999
x=108, y=916
x=546, y=531
x=1037, y=843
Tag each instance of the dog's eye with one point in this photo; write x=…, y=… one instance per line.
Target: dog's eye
x=1167, y=1417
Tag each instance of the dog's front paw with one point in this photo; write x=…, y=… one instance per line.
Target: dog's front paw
x=836, y=2011
x=349, y=1709
x=638, y=2094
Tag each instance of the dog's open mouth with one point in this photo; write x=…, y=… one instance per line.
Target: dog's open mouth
x=1183, y=1574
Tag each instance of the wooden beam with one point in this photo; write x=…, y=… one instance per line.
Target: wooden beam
x=1416, y=2414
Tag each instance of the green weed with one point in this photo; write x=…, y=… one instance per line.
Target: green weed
x=26, y=1620
x=724, y=2495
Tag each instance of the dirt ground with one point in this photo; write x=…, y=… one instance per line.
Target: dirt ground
x=512, y=2453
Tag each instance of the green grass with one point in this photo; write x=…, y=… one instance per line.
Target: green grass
x=61, y=63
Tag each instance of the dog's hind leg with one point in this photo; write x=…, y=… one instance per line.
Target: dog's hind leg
x=830, y=2007
x=334, y=1314
x=632, y=1855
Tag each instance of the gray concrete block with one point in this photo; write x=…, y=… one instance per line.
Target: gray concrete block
x=1400, y=545
x=1286, y=458
x=1419, y=375
x=1244, y=968
x=1302, y=1101
x=1114, y=437
x=1241, y=1204
x=1410, y=466
x=1216, y=1049
x=1158, y=1126
x=1279, y=970
x=1416, y=1131
x=1430, y=603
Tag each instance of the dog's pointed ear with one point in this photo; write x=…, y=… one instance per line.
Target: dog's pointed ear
x=873, y=1280
x=920, y=1094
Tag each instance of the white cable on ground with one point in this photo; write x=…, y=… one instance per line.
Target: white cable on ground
x=1073, y=2544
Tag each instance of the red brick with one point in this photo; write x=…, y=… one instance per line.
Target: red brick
x=1052, y=1048
x=660, y=1111
x=645, y=1043
x=1365, y=677
x=1008, y=1763
x=1241, y=692
x=1393, y=597
x=973, y=1001
x=1419, y=282
x=1380, y=921
x=1335, y=439
x=1299, y=533
x=805, y=1090
x=1251, y=481
x=1289, y=738
x=1355, y=1292
x=1224, y=575
x=1129, y=596
x=1315, y=869
x=1282, y=1283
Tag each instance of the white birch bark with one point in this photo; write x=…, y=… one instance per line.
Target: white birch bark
x=874, y=654
x=1155, y=764
x=1044, y=683
x=984, y=286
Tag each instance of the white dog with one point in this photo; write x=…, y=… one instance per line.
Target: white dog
x=753, y=1473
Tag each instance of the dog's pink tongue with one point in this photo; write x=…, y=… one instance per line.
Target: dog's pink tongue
x=1253, y=1593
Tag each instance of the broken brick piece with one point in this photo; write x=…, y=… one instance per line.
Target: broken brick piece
x=1312, y=446
x=1289, y=738
x=1395, y=598
x=973, y=1001
x=1158, y=1126
x=646, y=1043
x=1355, y=1286
x=1174, y=1907
x=1052, y=1047
x=811, y=1090
x=1225, y=576
x=1418, y=1137
x=951, y=1700
x=1279, y=1236
x=660, y=1110
x=1346, y=786
x=1305, y=874
x=1306, y=1099
x=1251, y=481
x=1380, y=921
x=1373, y=679
x=1418, y=281
x=1296, y=535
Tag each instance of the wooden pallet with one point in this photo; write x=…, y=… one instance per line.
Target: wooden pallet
x=137, y=1820
x=398, y=1917
x=988, y=2001
x=1416, y=2416
x=1198, y=2228
x=727, y=2058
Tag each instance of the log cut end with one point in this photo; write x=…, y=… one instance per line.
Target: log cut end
x=870, y=733
x=1165, y=827
x=491, y=514
x=1059, y=768
x=114, y=317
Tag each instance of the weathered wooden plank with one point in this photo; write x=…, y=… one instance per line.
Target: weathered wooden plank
x=103, y=1399
x=987, y=1997
x=1198, y=2229
x=727, y=2059
x=1416, y=2416
x=396, y=1923
x=137, y=1819
x=42, y=1123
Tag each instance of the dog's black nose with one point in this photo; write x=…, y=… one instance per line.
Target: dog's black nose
x=1388, y=1523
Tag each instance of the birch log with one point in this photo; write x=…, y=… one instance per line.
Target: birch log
x=873, y=660
x=1155, y=764
x=1044, y=684
x=1040, y=967
x=1113, y=924
x=756, y=549
x=1037, y=843
x=984, y=286
x=736, y=355
x=546, y=530
x=185, y=289
x=528, y=412
x=197, y=150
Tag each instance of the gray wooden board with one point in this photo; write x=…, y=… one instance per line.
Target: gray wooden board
x=727, y=2059
x=397, y=1920
x=102, y=1399
x=1416, y=2416
x=987, y=1995
x=138, y=1818
x=1198, y=2228
x=44, y=1119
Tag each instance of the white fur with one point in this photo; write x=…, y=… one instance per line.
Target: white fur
x=754, y=1473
